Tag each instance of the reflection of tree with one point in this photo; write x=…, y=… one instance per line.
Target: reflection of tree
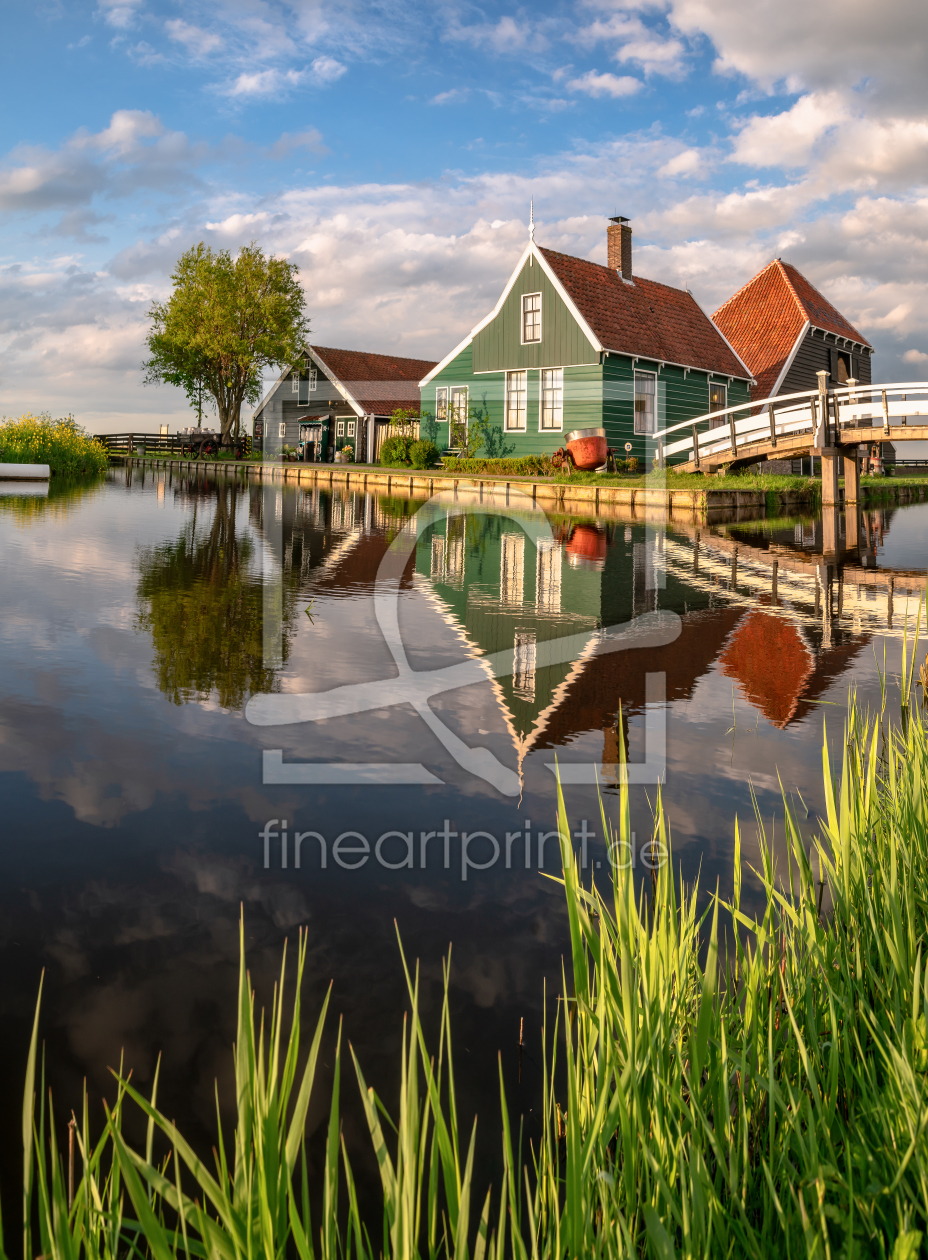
x=203, y=605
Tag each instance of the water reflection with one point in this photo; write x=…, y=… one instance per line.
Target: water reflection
x=133, y=790
x=201, y=597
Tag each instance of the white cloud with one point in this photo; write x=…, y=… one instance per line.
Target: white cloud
x=291, y=142
x=654, y=51
x=822, y=46
x=595, y=84
x=258, y=83
x=199, y=43
x=327, y=70
x=120, y=14
x=689, y=162
x=915, y=356
x=788, y=139
x=508, y=35
x=454, y=96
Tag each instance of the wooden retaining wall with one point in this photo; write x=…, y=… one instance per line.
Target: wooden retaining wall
x=702, y=504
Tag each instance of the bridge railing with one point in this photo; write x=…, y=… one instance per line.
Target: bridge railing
x=719, y=433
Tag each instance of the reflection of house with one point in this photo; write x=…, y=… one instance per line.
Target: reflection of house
x=778, y=670
x=335, y=398
x=571, y=344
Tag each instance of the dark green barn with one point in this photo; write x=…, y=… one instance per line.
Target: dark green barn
x=572, y=344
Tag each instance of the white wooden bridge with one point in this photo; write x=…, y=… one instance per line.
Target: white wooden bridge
x=830, y=423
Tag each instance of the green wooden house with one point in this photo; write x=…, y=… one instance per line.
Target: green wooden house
x=572, y=344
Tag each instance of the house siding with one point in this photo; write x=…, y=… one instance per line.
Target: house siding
x=498, y=346
x=814, y=355
x=681, y=395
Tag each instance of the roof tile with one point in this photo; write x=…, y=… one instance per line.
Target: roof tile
x=765, y=317
x=648, y=319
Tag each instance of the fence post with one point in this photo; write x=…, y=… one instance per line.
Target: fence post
x=885, y=413
x=773, y=425
x=695, y=446
x=731, y=430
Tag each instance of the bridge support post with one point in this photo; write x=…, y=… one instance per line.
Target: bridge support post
x=829, y=529
x=851, y=475
x=852, y=526
x=830, y=494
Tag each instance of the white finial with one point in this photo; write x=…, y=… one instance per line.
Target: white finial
x=531, y=221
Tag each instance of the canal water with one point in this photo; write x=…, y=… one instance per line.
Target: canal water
x=344, y=712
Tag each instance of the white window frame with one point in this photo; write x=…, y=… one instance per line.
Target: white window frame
x=339, y=428
x=441, y=404
x=533, y=341
x=351, y=427
x=295, y=381
x=514, y=378
x=559, y=410
x=644, y=432
x=722, y=420
x=282, y=429
x=459, y=390
x=313, y=377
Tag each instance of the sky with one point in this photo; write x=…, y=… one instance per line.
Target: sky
x=391, y=149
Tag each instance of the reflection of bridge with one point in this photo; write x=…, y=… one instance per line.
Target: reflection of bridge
x=840, y=586
x=829, y=423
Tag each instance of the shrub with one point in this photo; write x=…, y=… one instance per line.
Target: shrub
x=423, y=454
x=395, y=452
x=524, y=466
x=62, y=444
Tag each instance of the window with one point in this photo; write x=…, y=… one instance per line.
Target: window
x=840, y=366
x=458, y=413
x=339, y=428
x=531, y=317
x=512, y=569
x=523, y=664
x=645, y=402
x=515, y=401
x=718, y=401
x=282, y=429
x=351, y=427
x=441, y=403
x=552, y=398
x=295, y=379
x=548, y=576
x=312, y=379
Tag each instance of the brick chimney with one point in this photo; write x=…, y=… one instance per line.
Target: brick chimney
x=619, y=245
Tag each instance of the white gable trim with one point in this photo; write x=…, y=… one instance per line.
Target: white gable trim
x=747, y=371
x=446, y=360
x=789, y=359
x=349, y=399
x=529, y=251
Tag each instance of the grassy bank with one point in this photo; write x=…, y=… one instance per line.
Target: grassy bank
x=61, y=444
x=718, y=1084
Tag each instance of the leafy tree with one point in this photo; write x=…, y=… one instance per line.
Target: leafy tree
x=225, y=321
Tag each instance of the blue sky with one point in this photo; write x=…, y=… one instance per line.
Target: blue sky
x=391, y=150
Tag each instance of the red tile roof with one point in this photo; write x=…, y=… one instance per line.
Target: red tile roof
x=764, y=318
x=645, y=318
x=378, y=382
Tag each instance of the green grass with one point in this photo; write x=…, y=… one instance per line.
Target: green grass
x=61, y=444
x=717, y=1082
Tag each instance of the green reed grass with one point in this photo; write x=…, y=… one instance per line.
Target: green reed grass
x=716, y=1082
x=61, y=444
